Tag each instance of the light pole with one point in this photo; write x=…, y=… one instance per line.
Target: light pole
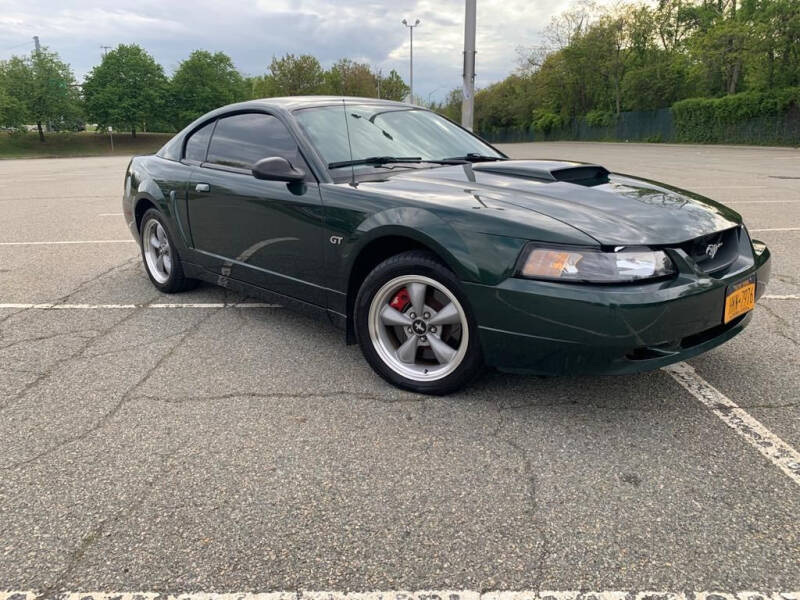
x=411, y=57
x=468, y=100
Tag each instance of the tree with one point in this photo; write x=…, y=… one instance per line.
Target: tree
x=16, y=86
x=451, y=106
x=392, y=87
x=348, y=78
x=297, y=75
x=38, y=88
x=721, y=53
x=564, y=28
x=260, y=86
x=203, y=82
x=128, y=89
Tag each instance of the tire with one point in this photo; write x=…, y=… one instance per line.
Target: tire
x=437, y=352
x=162, y=263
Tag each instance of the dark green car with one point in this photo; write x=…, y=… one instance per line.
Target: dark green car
x=433, y=250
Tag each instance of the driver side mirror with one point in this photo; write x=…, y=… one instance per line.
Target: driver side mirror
x=277, y=168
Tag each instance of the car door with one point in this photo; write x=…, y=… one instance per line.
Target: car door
x=268, y=233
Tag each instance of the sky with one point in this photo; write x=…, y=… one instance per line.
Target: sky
x=252, y=31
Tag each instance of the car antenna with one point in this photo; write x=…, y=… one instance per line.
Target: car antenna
x=349, y=145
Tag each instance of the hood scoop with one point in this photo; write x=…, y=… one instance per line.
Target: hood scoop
x=547, y=170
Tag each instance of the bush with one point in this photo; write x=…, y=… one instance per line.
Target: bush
x=714, y=119
x=600, y=118
x=546, y=121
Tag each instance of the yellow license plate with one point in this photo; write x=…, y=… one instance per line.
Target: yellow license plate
x=739, y=300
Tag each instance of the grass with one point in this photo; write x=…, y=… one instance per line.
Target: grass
x=85, y=143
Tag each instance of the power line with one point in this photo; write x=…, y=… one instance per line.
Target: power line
x=15, y=46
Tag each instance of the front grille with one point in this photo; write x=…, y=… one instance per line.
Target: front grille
x=715, y=252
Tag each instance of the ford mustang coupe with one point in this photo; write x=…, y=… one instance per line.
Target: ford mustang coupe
x=433, y=250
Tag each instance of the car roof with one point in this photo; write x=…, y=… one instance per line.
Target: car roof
x=295, y=102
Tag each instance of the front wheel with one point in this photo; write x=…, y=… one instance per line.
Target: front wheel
x=414, y=325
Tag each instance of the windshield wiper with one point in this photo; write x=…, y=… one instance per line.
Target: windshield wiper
x=472, y=157
x=375, y=160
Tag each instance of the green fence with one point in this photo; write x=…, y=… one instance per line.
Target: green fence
x=659, y=126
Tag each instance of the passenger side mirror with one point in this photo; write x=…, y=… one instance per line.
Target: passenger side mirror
x=277, y=168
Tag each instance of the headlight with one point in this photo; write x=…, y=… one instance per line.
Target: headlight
x=593, y=266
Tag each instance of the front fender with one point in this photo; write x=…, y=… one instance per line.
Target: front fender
x=423, y=227
x=472, y=256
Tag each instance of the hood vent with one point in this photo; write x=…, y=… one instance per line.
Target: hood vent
x=547, y=170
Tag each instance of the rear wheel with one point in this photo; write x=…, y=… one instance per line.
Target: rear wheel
x=415, y=327
x=160, y=255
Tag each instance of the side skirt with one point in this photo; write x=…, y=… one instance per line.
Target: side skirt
x=195, y=271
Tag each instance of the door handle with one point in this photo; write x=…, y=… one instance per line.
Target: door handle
x=202, y=187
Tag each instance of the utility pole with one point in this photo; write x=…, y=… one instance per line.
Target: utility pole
x=468, y=102
x=105, y=50
x=38, y=49
x=411, y=58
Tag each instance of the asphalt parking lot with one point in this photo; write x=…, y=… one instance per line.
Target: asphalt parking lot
x=205, y=446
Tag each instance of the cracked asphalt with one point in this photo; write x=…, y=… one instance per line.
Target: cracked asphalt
x=222, y=449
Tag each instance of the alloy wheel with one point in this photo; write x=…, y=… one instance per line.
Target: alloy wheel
x=418, y=328
x=157, y=251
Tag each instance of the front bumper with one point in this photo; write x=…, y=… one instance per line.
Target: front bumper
x=550, y=328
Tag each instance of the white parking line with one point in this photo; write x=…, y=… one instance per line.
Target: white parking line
x=422, y=595
x=778, y=452
x=780, y=297
x=120, y=214
x=777, y=229
x=130, y=241
x=55, y=306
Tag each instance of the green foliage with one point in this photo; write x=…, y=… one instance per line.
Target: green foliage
x=127, y=89
x=260, y=86
x=297, y=75
x=642, y=57
x=600, y=118
x=546, y=121
x=709, y=119
x=39, y=88
x=392, y=87
x=203, y=82
x=451, y=107
x=506, y=104
x=16, y=83
x=348, y=78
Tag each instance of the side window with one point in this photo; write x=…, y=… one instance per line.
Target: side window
x=242, y=140
x=197, y=143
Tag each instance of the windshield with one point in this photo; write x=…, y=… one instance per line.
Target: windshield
x=387, y=132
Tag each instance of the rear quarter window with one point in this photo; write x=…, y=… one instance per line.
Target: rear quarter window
x=197, y=144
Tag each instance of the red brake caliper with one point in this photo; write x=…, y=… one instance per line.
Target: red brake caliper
x=401, y=300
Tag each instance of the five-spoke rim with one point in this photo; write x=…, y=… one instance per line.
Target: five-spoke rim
x=418, y=327
x=157, y=252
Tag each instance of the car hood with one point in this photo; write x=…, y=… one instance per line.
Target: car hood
x=613, y=209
